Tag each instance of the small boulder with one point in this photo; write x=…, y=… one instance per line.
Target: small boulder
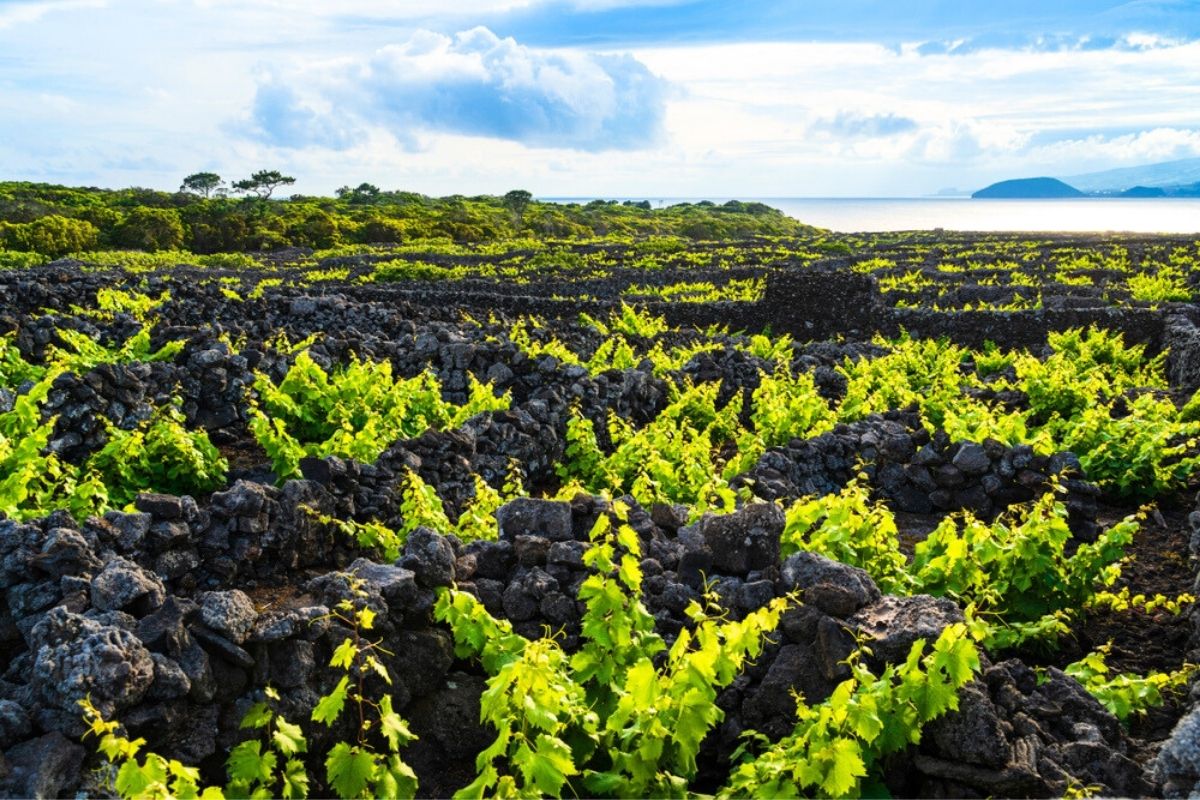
x=230, y=613
x=124, y=586
x=837, y=589
x=77, y=656
x=430, y=557
x=528, y=515
x=49, y=766
x=972, y=459
x=895, y=623
x=161, y=506
x=14, y=724
x=747, y=539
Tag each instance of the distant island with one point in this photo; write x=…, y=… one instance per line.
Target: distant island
x=1167, y=179
x=1144, y=191
x=1028, y=189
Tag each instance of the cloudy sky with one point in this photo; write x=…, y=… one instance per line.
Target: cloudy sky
x=656, y=98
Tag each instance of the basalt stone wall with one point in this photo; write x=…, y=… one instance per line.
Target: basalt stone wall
x=93, y=610
x=811, y=303
x=814, y=304
x=922, y=474
x=1182, y=336
x=1027, y=329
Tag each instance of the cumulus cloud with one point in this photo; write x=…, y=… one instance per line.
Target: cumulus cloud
x=281, y=117
x=1157, y=144
x=473, y=83
x=855, y=124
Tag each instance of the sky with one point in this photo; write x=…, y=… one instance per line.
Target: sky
x=618, y=98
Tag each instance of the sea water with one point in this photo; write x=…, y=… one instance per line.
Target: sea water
x=1132, y=215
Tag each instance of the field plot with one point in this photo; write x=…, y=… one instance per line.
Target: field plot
x=811, y=515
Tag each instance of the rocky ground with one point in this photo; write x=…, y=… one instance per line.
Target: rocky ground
x=171, y=615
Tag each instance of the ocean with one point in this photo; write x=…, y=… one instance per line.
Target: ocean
x=1152, y=215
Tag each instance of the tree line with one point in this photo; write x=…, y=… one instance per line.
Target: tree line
x=208, y=215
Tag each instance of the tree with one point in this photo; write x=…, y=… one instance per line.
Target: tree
x=381, y=230
x=202, y=183
x=516, y=202
x=151, y=229
x=316, y=229
x=263, y=183
x=363, y=193
x=52, y=235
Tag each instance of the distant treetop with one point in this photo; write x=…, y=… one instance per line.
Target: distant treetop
x=203, y=218
x=263, y=183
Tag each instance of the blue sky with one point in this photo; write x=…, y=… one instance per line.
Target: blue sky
x=596, y=97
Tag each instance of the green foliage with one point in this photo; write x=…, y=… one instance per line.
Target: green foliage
x=81, y=353
x=55, y=220
x=787, y=407
x=1126, y=694
x=905, y=376
x=420, y=505
x=1019, y=572
x=849, y=528
x=1125, y=600
x=161, y=455
x=538, y=342
x=1089, y=396
x=836, y=744
x=629, y=321
x=263, y=183
x=618, y=718
x=110, y=302
x=14, y=369
x=1018, y=568
x=34, y=482
x=147, y=776
x=1137, y=455
x=1084, y=368
x=150, y=229
x=202, y=183
x=411, y=270
x=1166, y=285
x=271, y=765
x=51, y=235
x=16, y=259
x=672, y=459
x=749, y=290
x=363, y=768
x=768, y=349
x=355, y=411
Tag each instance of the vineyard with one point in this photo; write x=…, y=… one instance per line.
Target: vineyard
x=801, y=514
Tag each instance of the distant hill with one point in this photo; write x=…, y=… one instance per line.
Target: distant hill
x=1144, y=191
x=1028, y=189
x=1190, y=190
x=1163, y=175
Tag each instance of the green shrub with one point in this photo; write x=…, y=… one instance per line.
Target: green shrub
x=52, y=236
x=161, y=455
x=150, y=229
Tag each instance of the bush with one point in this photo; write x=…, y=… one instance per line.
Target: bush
x=52, y=235
x=15, y=259
x=382, y=230
x=316, y=229
x=151, y=229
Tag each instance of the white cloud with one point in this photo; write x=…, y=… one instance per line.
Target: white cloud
x=472, y=83
x=13, y=14
x=336, y=104
x=1159, y=144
